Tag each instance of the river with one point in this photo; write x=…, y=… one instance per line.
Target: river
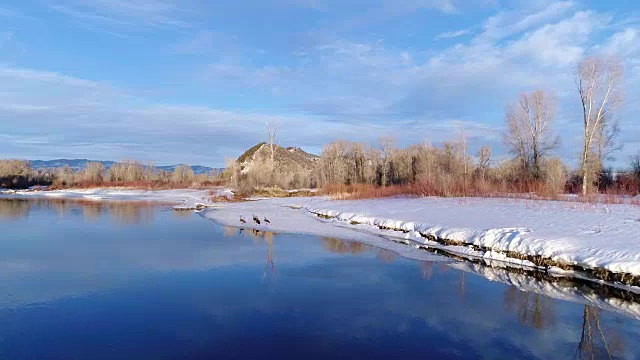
x=118, y=280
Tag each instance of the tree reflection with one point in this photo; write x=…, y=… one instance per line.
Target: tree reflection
x=131, y=212
x=270, y=265
x=344, y=247
x=533, y=310
x=93, y=211
x=182, y=214
x=229, y=231
x=257, y=236
x=427, y=270
x=386, y=256
x=124, y=212
x=15, y=209
x=595, y=341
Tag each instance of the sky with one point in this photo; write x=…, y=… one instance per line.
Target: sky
x=194, y=81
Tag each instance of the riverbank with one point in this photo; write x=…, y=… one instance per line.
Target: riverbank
x=596, y=241
x=176, y=196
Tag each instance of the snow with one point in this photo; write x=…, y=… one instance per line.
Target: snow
x=588, y=235
x=185, y=196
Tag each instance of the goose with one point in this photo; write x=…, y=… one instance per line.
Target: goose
x=267, y=220
x=242, y=220
x=256, y=220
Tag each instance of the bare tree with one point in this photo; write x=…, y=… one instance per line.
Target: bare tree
x=272, y=132
x=463, y=142
x=598, y=81
x=635, y=167
x=484, y=160
x=182, y=174
x=387, y=143
x=94, y=172
x=529, y=134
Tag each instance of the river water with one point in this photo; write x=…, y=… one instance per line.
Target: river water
x=139, y=281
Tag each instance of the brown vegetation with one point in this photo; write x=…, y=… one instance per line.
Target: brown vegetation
x=130, y=174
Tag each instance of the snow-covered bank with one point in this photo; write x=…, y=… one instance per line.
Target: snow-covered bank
x=593, y=237
x=600, y=239
x=178, y=196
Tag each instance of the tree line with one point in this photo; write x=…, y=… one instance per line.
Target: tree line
x=20, y=174
x=451, y=170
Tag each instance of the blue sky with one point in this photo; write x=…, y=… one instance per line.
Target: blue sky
x=172, y=81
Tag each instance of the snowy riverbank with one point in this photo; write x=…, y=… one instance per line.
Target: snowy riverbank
x=592, y=240
x=177, y=196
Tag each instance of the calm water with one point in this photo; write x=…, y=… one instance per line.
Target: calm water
x=134, y=281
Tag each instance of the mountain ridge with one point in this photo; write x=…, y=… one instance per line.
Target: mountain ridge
x=80, y=164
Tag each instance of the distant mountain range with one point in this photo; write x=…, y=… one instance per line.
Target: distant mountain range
x=80, y=164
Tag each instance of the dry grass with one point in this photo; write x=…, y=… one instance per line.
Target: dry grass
x=223, y=198
x=142, y=185
x=276, y=192
x=363, y=191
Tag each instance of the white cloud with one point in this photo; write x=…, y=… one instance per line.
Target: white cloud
x=10, y=12
x=453, y=34
x=205, y=41
x=131, y=15
x=337, y=84
x=510, y=22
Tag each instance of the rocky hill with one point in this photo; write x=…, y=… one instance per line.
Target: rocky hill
x=286, y=157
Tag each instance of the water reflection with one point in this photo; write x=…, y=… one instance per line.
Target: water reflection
x=15, y=209
x=258, y=237
x=130, y=213
x=532, y=309
x=597, y=341
x=121, y=212
x=326, y=288
x=344, y=247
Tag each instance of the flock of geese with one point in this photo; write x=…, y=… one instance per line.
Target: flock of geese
x=256, y=220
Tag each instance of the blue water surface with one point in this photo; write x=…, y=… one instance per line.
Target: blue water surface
x=140, y=281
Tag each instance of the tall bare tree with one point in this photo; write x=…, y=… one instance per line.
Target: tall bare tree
x=463, y=143
x=272, y=132
x=598, y=80
x=529, y=129
x=484, y=160
x=387, y=143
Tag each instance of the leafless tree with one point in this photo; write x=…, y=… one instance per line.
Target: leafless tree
x=387, y=143
x=598, y=80
x=463, y=155
x=182, y=174
x=635, y=166
x=272, y=132
x=529, y=134
x=94, y=172
x=484, y=160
